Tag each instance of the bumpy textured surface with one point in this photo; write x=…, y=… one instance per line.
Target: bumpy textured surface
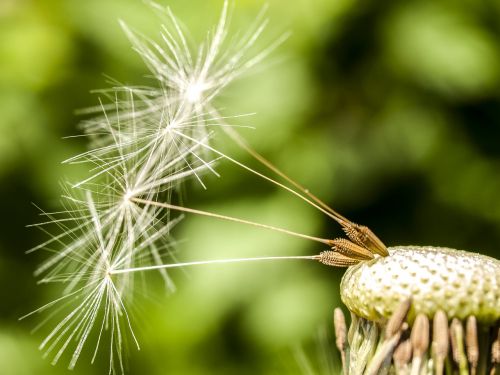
x=458, y=282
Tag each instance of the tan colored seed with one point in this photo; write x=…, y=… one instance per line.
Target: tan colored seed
x=402, y=354
x=471, y=343
x=332, y=258
x=455, y=337
x=340, y=328
x=397, y=318
x=457, y=345
x=440, y=340
x=363, y=236
x=419, y=341
x=350, y=249
x=385, y=352
x=420, y=335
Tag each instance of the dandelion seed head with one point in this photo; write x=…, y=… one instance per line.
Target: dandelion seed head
x=144, y=143
x=129, y=194
x=401, y=306
x=458, y=282
x=194, y=91
x=97, y=238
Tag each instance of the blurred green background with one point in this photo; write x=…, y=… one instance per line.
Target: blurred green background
x=389, y=111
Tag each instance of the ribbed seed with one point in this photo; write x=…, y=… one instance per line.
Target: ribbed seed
x=471, y=343
x=385, y=352
x=332, y=258
x=457, y=346
x=440, y=340
x=393, y=332
x=402, y=356
x=397, y=318
x=350, y=249
x=419, y=341
x=340, y=328
x=363, y=236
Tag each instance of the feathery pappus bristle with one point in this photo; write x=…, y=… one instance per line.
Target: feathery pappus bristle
x=144, y=143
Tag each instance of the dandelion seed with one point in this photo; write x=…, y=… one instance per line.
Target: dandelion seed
x=92, y=298
x=156, y=120
x=144, y=142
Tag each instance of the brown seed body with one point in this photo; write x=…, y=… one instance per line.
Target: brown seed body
x=396, y=320
x=471, y=343
x=440, y=337
x=350, y=249
x=420, y=335
x=402, y=355
x=334, y=259
x=364, y=237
